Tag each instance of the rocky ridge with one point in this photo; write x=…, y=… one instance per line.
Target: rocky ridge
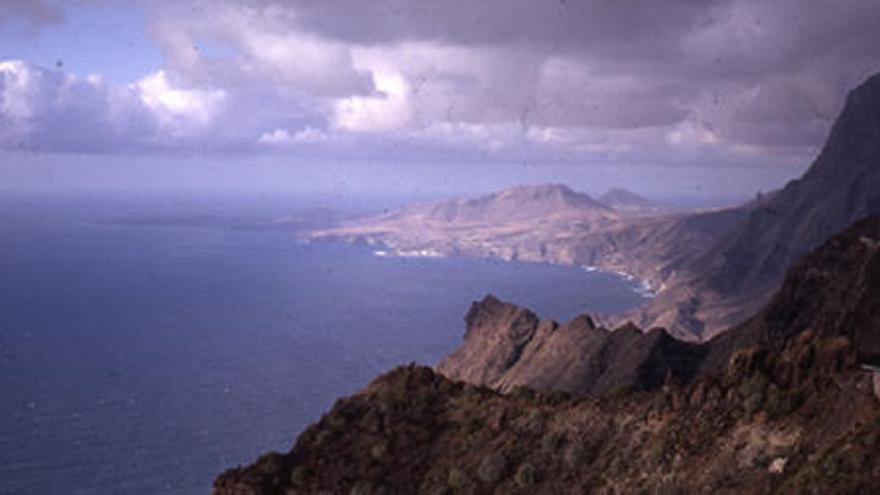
x=785, y=403
x=506, y=347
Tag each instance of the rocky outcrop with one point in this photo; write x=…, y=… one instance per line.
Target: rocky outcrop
x=500, y=333
x=506, y=347
x=784, y=403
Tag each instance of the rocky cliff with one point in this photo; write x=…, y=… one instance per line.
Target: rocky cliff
x=506, y=347
x=739, y=272
x=788, y=402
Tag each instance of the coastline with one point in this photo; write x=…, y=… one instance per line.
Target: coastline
x=641, y=287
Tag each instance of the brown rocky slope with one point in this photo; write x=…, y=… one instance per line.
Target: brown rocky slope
x=506, y=347
x=785, y=403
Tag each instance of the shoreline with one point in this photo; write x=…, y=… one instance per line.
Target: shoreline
x=639, y=286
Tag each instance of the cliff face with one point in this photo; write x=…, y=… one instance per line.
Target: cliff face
x=506, y=347
x=786, y=402
x=732, y=277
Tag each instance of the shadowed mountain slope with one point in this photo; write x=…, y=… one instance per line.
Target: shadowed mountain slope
x=738, y=273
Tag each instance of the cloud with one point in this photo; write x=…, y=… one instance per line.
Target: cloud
x=388, y=109
x=51, y=110
x=586, y=79
x=750, y=73
x=28, y=14
x=179, y=111
x=248, y=44
x=281, y=137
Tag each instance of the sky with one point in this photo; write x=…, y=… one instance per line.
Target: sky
x=680, y=98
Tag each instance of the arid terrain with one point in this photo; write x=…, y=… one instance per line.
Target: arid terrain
x=788, y=402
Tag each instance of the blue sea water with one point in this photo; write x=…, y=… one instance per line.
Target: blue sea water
x=146, y=359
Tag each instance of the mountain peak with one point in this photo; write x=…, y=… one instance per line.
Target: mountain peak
x=853, y=146
x=546, y=192
x=618, y=197
x=870, y=86
x=526, y=202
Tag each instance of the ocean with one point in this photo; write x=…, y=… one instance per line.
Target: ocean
x=146, y=357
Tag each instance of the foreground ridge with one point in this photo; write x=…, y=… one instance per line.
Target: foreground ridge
x=788, y=402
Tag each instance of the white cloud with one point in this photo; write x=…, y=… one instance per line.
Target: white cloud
x=181, y=111
x=263, y=46
x=276, y=137
x=310, y=135
x=387, y=110
x=690, y=133
x=282, y=137
x=19, y=85
x=47, y=109
x=53, y=110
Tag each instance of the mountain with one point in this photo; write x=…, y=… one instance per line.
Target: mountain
x=788, y=402
x=739, y=272
x=623, y=199
x=507, y=347
x=532, y=223
x=547, y=223
x=544, y=201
